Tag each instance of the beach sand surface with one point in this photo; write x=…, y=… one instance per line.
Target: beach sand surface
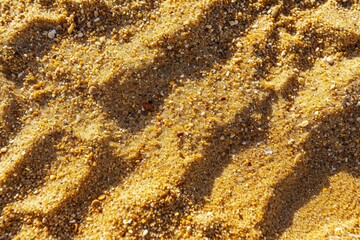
x=211, y=119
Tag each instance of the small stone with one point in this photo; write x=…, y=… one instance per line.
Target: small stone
x=52, y=34
x=96, y=203
x=304, y=123
x=58, y=28
x=268, y=151
x=93, y=90
x=3, y=150
x=97, y=20
x=102, y=39
x=329, y=60
x=145, y=232
x=180, y=134
x=71, y=28
x=102, y=197
x=147, y=106
x=275, y=12
x=241, y=179
x=127, y=222
x=52, y=177
x=233, y=23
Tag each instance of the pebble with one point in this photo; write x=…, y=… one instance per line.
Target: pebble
x=145, y=232
x=329, y=60
x=148, y=106
x=127, y=222
x=58, y=28
x=268, y=151
x=52, y=34
x=3, y=150
x=241, y=179
x=102, y=197
x=71, y=28
x=96, y=203
x=304, y=123
x=93, y=90
x=102, y=39
x=233, y=23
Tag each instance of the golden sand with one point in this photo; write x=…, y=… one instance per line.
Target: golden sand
x=211, y=119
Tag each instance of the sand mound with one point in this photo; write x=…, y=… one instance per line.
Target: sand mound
x=168, y=119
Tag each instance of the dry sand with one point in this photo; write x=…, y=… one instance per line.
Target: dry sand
x=211, y=119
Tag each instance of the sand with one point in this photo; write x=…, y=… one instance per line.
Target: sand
x=210, y=119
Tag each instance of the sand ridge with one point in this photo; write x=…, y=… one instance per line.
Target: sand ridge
x=168, y=119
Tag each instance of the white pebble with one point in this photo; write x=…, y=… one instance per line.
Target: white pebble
x=329, y=60
x=268, y=151
x=233, y=23
x=102, y=39
x=3, y=150
x=145, y=232
x=304, y=123
x=52, y=34
x=96, y=20
x=241, y=179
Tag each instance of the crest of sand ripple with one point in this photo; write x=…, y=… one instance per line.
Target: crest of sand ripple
x=25, y=140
